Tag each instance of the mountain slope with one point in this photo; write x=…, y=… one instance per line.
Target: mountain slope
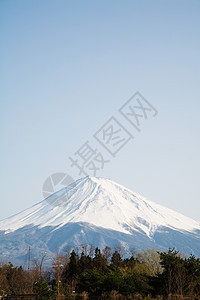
x=97, y=207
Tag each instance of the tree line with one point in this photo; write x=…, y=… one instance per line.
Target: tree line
x=106, y=274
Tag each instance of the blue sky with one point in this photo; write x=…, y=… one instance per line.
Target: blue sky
x=68, y=66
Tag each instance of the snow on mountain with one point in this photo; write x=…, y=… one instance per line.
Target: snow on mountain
x=103, y=203
x=92, y=207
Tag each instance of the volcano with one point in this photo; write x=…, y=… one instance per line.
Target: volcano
x=99, y=212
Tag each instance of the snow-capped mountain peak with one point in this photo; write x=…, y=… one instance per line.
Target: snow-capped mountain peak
x=102, y=203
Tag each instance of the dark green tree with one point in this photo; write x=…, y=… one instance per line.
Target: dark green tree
x=41, y=288
x=116, y=259
x=113, y=279
x=85, y=262
x=73, y=267
x=92, y=281
x=174, y=276
x=99, y=261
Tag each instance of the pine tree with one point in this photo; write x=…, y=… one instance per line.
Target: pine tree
x=116, y=259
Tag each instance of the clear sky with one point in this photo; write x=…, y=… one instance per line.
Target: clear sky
x=66, y=67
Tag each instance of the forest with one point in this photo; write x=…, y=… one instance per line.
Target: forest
x=91, y=273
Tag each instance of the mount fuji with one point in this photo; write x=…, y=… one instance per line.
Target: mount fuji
x=100, y=212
